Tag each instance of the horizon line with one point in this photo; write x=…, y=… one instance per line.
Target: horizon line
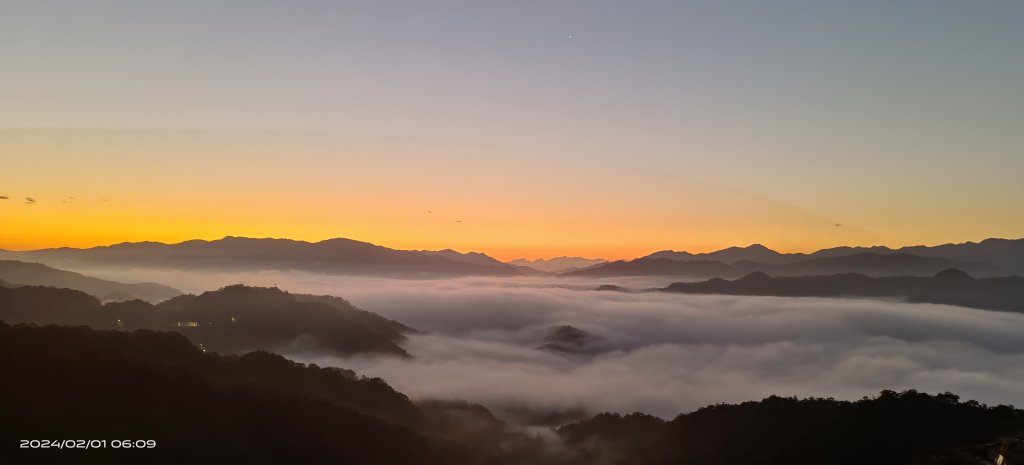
x=804, y=251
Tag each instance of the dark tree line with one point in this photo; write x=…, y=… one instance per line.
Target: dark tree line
x=892, y=428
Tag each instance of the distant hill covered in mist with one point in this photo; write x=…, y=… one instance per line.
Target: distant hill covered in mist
x=36, y=274
x=951, y=287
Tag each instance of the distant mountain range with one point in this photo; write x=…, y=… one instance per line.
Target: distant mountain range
x=558, y=264
x=951, y=287
x=15, y=273
x=1005, y=253
x=338, y=256
x=991, y=257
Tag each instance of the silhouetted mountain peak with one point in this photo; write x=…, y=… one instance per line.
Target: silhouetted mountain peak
x=758, y=249
x=240, y=294
x=473, y=258
x=672, y=254
x=754, y=252
x=345, y=241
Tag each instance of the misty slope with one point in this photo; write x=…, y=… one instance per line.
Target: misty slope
x=893, y=428
x=869, y=263
x=37, y=274
x=232, y=319
x=342, y=256
x=952, y=287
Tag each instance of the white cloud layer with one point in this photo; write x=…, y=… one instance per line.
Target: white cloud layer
x=672, y=353
x=667, y=353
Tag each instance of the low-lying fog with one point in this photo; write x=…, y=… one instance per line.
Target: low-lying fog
x=654, y=352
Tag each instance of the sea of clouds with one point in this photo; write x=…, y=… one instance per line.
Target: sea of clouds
x=660, y=353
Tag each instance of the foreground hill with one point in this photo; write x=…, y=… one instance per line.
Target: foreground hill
x=76, y=383
x=204, y=408
x=952, y=287
x=893, y=428
x=869, y=263
x=36, y=274
x=341, y=256
x=233, y=319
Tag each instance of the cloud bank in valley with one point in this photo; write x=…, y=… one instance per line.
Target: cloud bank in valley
x=669, y=353
x=664, y=353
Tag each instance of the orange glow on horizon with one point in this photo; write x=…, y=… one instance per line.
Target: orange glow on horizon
x=103, y=187
x=499, y=252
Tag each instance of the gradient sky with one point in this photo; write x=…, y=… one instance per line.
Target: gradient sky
x=528, y=128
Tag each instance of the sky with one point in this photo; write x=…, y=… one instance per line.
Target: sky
x=520, y=129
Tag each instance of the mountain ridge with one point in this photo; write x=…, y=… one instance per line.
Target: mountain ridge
x=333, y=256
x=991, y=257
x=1008, y=253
